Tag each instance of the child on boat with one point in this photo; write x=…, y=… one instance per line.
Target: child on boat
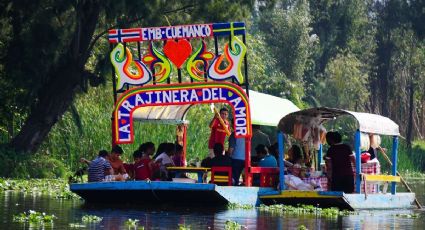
x=148, y=149
x=178, y=156
x=164, y=160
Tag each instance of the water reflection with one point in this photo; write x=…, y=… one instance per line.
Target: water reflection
x=164, y=217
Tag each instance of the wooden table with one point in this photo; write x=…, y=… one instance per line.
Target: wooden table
x=199, y=170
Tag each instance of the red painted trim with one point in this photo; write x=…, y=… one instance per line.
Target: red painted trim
x=248, y=174
x=184, y=143
x=113, y=143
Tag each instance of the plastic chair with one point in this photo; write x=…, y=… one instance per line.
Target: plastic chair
x=220, y=178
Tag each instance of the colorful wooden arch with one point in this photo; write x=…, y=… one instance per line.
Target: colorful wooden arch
x=180, y=94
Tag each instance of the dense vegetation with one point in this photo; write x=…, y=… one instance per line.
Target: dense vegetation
x=361, y=55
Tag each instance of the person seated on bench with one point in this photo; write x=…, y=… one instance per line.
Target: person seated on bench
x=99, y=167
x=178, y=156
x=294, y=182
x=117, y=164
x=165, y=160
x=266, y=160
x=148, y=149
x=219, y=159
x=295, y=155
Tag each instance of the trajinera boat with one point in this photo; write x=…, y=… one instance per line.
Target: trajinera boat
x=145, y=91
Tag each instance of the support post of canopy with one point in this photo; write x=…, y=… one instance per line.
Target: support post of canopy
x=281, y=146
x=394, y=160
x=319, y=156
x=114, y=83
x=184, y=144
x=113, y=131
x=358, y=162
x=248, y=175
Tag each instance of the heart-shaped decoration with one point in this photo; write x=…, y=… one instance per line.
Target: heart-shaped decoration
x=123, y=121
x=230, y=94
x=199, y=93
x=178, y=51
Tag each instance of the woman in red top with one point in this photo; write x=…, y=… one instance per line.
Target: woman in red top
x=341, y=157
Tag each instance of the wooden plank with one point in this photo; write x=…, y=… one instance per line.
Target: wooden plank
x=389, y=178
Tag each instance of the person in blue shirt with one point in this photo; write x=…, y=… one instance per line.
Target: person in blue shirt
x=266, y=160
x=237, y=153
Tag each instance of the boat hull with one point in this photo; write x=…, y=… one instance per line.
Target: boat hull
x=341, y=200
x=189, y=194
x=142, y=192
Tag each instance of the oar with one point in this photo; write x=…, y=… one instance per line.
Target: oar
x=220, y=120
x=398, y=174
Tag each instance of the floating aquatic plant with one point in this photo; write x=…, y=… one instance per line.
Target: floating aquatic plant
x=413, y=215
x=239, y=206
x=91, y=219
x=132, y=223
x=54, y=187
x=281, y=209
x=184, y=227
x=34, y=217
x=233, y=225
x=302, y=227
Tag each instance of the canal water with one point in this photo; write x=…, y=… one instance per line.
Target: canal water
x=70, y=212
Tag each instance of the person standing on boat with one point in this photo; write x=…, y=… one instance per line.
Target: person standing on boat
x=99, y=167
x=258, y=138
x=237, y=153
x=341, y=156
x=219, y=129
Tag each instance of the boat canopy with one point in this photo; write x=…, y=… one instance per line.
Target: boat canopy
x=367, y=122
x=265, y=110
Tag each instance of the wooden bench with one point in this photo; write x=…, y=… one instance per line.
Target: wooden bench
x=378, y=178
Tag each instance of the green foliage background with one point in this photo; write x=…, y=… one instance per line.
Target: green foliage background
x=358, y=55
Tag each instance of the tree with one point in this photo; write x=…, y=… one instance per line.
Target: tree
x=287, y=35
x=344, y=85
x=52, y=42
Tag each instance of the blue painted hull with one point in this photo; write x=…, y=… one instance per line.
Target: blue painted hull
x=162, y=192
x=142, y=192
